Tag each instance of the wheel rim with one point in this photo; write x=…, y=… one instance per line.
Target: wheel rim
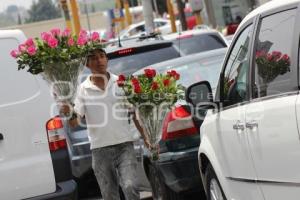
x=215, y=190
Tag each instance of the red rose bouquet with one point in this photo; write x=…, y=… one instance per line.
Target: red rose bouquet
x=152, y=95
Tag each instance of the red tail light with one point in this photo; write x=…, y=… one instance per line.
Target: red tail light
x=56, y=137
x=125, y=51
x=178, y=123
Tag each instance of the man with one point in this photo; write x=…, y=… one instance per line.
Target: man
x=113, y=156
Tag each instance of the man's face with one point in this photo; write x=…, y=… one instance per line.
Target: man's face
x=97, y=62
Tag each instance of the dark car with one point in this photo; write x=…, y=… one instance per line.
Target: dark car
x=177, y=169
x=127, y=59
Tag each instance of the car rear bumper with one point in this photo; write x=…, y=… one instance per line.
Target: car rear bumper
x=66, y=190
x=180, y=170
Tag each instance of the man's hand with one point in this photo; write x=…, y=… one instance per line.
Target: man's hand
x=65, y=109
x=148, y=144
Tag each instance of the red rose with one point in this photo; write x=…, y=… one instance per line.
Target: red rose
x=120, y=83
x=135, y=81
x=166, y=82
x=154, y=86
x=137, y=88
x=174, y=74
x=150, y=73
x=177, y=76
x=122, y=77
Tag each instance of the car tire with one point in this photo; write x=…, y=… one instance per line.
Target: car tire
x=159, y=189
x=214, y=189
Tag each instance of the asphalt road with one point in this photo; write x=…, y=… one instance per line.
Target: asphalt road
x=148, y=196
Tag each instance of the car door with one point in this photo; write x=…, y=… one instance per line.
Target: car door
x=237, y=162
x=271, y=121
x=25, y=163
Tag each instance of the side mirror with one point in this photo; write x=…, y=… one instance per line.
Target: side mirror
x=199, y=93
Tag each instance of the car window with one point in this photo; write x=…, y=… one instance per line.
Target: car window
x=159, y=24
x=136, y=30
x=236, y=70
x=129, y=64
x=204, y=69
x=199, y=43
x=272, y=55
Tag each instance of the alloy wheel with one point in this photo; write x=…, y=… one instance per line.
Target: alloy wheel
x=215, y=190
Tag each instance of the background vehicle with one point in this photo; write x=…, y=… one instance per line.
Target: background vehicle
x=162, y=26
x=34, y=160
x=196, y=41
x=250, y=141
x=177, y=169
x=189, y=16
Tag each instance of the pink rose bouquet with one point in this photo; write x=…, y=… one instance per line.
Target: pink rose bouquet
x=59, y=57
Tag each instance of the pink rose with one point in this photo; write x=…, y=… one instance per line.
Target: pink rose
x=55, y=31
x=95, y=36
x=82, y=41
x=285, y=57
x=71, y=42
x=31, y=50
x=45, y=36
x=52, y=42
x=29, y=42
x=82, y=33
x=14, y=53
x=276, y=55
x=22, y=47
x=269, y=57
x=260, y=54
x=66, y=33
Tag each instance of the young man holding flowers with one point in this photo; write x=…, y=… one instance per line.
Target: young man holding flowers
x=113, y=156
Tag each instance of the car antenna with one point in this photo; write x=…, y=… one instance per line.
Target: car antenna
x=179, y=39
x=119, y=39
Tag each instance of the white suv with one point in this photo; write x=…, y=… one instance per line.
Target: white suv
x=34, y=159
x=250, y=138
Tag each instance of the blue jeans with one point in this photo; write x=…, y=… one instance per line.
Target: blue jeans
x=113, y=166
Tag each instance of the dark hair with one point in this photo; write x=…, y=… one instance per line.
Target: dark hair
x=93, y=52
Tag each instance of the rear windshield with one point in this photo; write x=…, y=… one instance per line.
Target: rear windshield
x=199, y=43
x=127, y=65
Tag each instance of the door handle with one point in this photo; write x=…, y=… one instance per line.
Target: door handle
x=238, y=126
x=1, y=136
x=251, y=125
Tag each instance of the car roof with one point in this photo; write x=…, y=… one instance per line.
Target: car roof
x=135, y=44
x=267, y=7
x=174, y=36
x=13, y=34
x=143, y=22
x=186, y=59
